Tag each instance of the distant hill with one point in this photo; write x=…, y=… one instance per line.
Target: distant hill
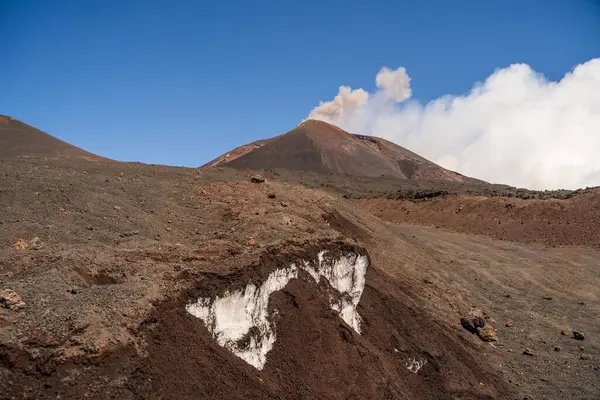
x=321, y=147
x=18, y=139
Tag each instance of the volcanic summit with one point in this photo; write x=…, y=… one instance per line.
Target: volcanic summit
x=318, y=146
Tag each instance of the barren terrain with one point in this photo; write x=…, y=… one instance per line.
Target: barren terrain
x=100, y=262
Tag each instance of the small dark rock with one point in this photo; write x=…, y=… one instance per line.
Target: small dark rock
x=473, y=320
x=271, y=195
x=74, y=291
x=528, y=352
x=557, y=348
x=585, y=357
x=578, y=335
x=472, y=323
x=177, y=268
x=547, y=298
x=257, y=179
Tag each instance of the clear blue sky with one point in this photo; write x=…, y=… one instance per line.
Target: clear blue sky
x=180, y=82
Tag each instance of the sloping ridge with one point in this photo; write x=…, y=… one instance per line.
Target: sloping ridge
x=18, y=139
x=321, y=147
x=237, y=152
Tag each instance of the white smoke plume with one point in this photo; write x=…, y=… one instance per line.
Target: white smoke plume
x=394, y=84
x=517, y=127
x=343, y=106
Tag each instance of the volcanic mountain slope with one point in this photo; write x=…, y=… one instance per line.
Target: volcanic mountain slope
x=18, y=139
x=126, y=273
x=125, y=280
x=321, y=147
x=125, y=270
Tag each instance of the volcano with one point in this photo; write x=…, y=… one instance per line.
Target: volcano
x=18, y=139
x=318, y=146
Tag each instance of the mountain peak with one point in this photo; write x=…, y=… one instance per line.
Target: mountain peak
x=319, y=146
x=18, y=139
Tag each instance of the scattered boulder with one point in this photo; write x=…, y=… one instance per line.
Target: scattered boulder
x=257, y=179
x=271, y=195
x=509, y=323
x=487, y=333
x=11, y=300
x=578, y=335
x=473, y=320
x=20, y=244
x=528, y=352
x=557, y=348
x=585, y=357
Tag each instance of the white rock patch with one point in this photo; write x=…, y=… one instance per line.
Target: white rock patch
x=239, y=320
x=415, y=365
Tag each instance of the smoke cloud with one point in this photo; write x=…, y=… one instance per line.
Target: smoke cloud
x=517, y=127
x=395, y=85
x=343, y=105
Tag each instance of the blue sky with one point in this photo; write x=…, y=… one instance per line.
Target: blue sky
x=182, y=82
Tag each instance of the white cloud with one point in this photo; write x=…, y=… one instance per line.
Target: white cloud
x=517, y=127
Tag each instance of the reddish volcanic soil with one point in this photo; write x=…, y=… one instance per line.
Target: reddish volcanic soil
x=572, y=221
